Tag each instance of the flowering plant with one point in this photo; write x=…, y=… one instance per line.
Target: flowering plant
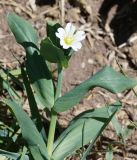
x=43, y=92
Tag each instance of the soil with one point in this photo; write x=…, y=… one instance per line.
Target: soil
x=110, y=27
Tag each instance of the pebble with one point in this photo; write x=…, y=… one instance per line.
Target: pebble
x=83, y=65
x=90, y=61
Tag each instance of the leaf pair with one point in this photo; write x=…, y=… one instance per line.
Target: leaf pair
x=84, y=129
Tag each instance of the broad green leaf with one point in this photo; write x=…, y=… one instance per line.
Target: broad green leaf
x=23, y=32
x=34, y=139
x=35, y=116
x=41, y=80
x=27, y=37
x=14, y=156
x=84, y=129
x=106, y=78
x=52, y=53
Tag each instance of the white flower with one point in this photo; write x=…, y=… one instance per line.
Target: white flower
x=69, y=37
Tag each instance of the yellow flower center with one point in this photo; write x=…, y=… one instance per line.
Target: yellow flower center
x=69, y=39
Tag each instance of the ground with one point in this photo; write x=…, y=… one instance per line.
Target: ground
x=111, y=39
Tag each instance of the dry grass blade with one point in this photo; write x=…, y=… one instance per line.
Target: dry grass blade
x=62, y=11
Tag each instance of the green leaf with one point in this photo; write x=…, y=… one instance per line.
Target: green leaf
x=117, y=126
x=51, y=30
x=14, y=156
x=12, y=74
x=52, y=53
x=34, y=139
x=36, y=68
x=41, y=80
x=106, y=78
x=23, y=32
x=84, y=129
x=24, y=151
x=127, y=130
x=109, y=154
x=32, y=103
x=4, y=84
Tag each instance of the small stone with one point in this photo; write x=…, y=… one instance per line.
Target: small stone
x=90, y=61
x=83, y=65
x=17, y=10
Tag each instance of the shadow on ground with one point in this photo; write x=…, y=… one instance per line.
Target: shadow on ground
x=124, y=22
x=45, y=2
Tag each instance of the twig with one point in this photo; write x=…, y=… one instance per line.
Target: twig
x=62, y=11
x=106, y=42
x=131, y=40
x=32, y=4
x=47, y=11
x=4, y=36
x=115, y=49
x=12, y=3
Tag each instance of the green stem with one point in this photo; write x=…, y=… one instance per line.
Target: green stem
x=53, y=121
x=51, y=132
x=59, y=83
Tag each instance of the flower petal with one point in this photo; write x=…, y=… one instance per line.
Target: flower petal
x=67, y=28
x=72, y=30
x=79, y=36
x=60, y=33
x=76, y=46
x=61, y=30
